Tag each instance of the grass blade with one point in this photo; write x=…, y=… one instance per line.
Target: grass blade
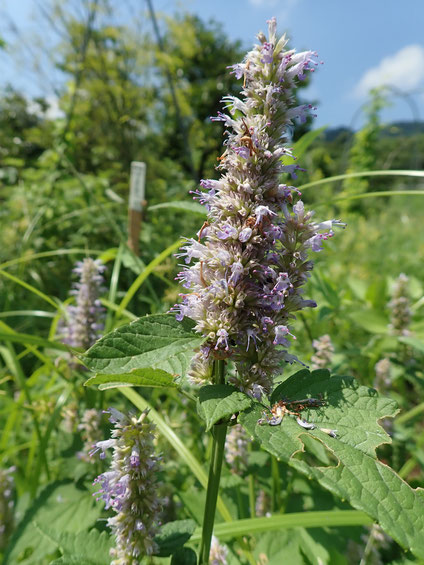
x=317, y=519
x=143, y=276
x=398, y=173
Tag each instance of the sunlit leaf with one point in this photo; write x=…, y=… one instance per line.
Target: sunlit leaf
x=138, y=377
x=156, y=342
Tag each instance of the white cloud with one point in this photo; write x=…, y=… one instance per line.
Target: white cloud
x=404, y=70
x=284, y=9
x=53, y=111
x=265, y=3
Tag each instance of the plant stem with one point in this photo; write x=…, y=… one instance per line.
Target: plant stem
x=252, y=497
x=219, y=432
x=276, y=485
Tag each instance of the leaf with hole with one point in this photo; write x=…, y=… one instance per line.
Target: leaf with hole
x=356, y=476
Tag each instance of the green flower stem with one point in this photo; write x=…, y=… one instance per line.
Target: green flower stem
x=241, y=512
x=252, y=497
x=276, y=485
x=219, y=432
x=251, y=489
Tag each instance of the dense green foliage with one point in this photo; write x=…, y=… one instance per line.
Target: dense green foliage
x=299, y=495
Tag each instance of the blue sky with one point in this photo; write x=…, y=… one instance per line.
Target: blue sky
x=363, y=44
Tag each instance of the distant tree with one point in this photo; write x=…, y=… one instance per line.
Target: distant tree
x=107, y=104
x=24, y=131
x=197, y=56
x=364, y=150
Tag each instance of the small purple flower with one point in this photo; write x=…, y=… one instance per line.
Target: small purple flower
x=267, y=53
x=237, y=270
x=102, y=446
x=280, y=335
x=236, y=449
x=263, y=212
x=227, y=231
x=222, y=339
x=245, y=234
x=242, y=151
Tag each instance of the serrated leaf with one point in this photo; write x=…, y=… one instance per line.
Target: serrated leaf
x=69, y=508
x=216, y=402
x=174, y=535
x=157, y=342
x=349, y=408
x=375, y=488
x=138, y=377
x=358, y=477
x=86, y=547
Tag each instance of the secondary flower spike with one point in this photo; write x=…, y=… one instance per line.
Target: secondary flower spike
x=130, y=487
x=251, y=256
x=85, y=318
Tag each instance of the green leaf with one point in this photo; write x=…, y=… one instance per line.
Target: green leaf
x=191, y=207
x=82, y=548
x=373, y=487
x=370, y=321
x=358, y=286
x=174, y=535
x=303, y=143
x=137, y=377
x=28, y=339
x=184, y=556
x=216, y=402
x=69, y=508
x=350, y=409
x=157, y=342
x=358, y=477
x=412, y=342
x=286, y=547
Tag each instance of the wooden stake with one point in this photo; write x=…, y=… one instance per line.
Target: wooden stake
x=136, y=203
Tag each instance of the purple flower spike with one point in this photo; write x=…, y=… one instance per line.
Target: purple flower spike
x=133, y=471
x=84, y=322
x=245, y=278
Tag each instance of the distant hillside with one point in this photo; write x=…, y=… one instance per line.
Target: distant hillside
x=395, y=129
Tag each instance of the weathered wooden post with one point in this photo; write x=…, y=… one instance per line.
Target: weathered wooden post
x=136, y=203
